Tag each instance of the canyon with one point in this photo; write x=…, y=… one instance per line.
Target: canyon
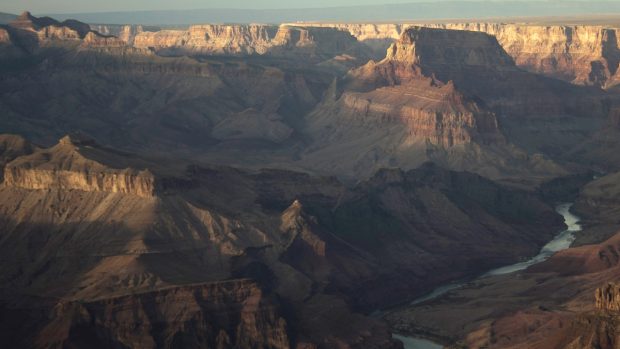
x=278, y=186
x=586, y=54
x=280, y=251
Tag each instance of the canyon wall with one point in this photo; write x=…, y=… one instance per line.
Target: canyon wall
x=586, y=55
x=252, y=39
x=580, y=54
x=225, y=314
x=231, y=39
x=63, y=167
x=5, y=37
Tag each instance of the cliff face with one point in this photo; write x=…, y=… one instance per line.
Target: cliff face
x=439, y=115
x=608, y=297
x=5, y=37
x=247, y=40
x=48, y=29
x=448, y=49
x=126, y=33
x=224, y=314
x=432, y=94
x=63, y=167
x=209, y=39
x=579, y=54
x=94, y=39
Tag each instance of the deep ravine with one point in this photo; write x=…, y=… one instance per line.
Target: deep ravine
x=561, y=242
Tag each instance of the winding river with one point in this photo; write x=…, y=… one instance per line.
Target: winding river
x=562, y=241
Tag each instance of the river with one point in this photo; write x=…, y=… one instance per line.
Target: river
x=561, y=242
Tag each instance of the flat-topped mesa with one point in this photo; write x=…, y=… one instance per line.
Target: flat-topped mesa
x=447, y=55
x=77, y=163
x=608, y=297
x=449, y=50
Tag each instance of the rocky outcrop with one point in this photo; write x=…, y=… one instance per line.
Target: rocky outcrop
x=580, y=54
x=448, y=49
x=209, y=39
x=31, y=32
x=252, y=39
x=49, y=29
x=65, y=167
x=608, y=297
x=94, y=39
x=432, y=94
x=126, y=33
x=134, y=182
x=225, y=314
x=5, y=37
x=437, y=114
x=433, y=109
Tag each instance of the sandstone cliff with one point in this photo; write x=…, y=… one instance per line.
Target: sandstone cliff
x=5, y=37
x=252, y=39
x=608, y=297
x=225, y=314
x=126, y=33
x=579, y=54
x=428, y=99
x=48, y=29
x=64, y=167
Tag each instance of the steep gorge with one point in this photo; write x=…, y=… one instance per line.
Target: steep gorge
x=258, y=259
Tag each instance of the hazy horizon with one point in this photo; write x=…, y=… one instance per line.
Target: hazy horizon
x=75, y=6
x=186, y=12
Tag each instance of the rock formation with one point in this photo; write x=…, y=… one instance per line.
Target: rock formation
x=47, y=28
x=65, y=167
x=214, y=315
x=608, y=297
x=183, y=238
x=249, y=40
x=126, y=33
x=94, y=39
x=421, y=102
x=5, y=37
x=209, y=255
x=579, y=54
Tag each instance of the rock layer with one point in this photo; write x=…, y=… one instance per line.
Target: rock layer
x=63, y=167
x=225, y=314
x=608, y=297
x=579, y=54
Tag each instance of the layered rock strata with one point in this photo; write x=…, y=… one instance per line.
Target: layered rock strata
x=64, y=167
x=580, y=54
x=608, y=297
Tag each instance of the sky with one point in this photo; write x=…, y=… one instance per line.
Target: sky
x=76, y=6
